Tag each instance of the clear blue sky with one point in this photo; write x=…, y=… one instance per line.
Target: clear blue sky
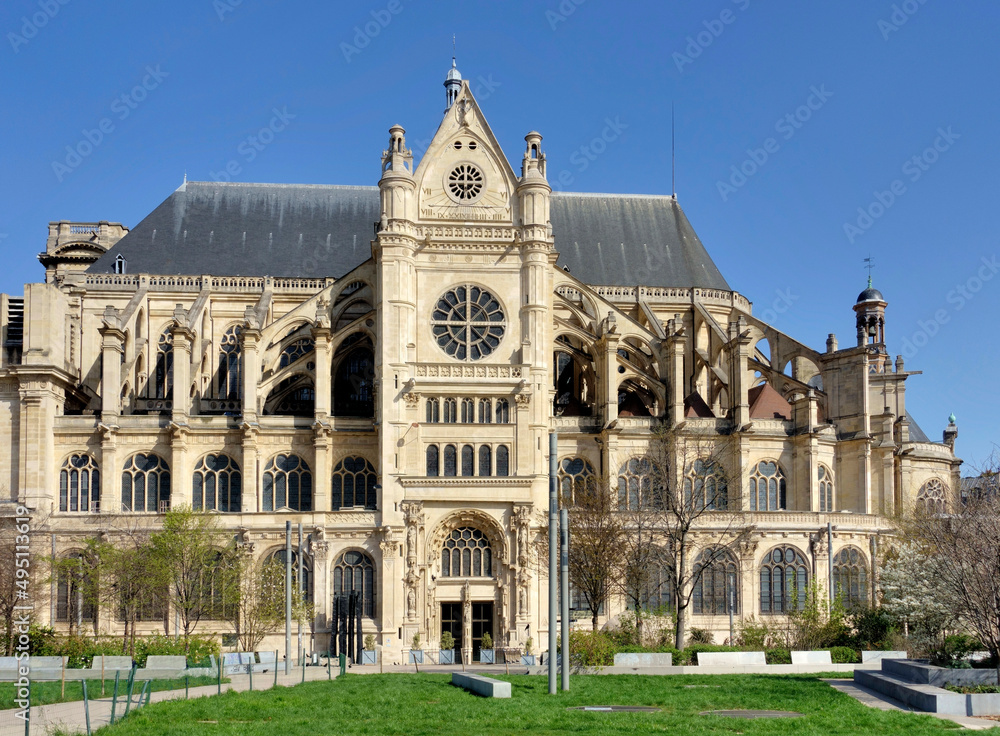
x=886, y=81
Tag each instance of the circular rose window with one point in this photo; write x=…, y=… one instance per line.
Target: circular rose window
x=468, y=322
x=465, y=182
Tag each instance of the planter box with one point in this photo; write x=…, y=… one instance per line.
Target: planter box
x=446, y=656
x=486, y=656
x=416, y=656
x=368, y=656
x=528, y=660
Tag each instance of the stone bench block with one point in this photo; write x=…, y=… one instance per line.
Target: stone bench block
x=730, y=659
x=818, y=657
x=876, y=656
x=111, y=664
x=485, y=686
x=644, y=659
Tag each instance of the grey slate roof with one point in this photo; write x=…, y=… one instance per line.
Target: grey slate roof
x=916, y=433
x=313, y=231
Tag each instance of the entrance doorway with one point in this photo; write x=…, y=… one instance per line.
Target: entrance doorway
x=451, y=620
x=482, y=623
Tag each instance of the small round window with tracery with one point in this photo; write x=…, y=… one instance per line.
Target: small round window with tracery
x=465, y=182
x=468, y=323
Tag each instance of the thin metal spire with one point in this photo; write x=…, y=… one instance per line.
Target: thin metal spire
x=673, y=157
x=870, y=260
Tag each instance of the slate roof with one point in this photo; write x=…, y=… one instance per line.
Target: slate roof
x=314, y=231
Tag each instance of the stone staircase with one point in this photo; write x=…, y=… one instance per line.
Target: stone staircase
x=921, y=686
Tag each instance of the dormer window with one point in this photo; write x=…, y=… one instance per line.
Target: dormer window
x=120, y=263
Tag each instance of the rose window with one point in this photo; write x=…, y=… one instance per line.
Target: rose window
x=465, y=182
x=468, y=322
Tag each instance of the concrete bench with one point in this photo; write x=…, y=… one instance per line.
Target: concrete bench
x=818, y=657
x=876, y=656
x=237, y=663
x=485, y=686
x=644, y=659
x=730, y=659
x=111, y=664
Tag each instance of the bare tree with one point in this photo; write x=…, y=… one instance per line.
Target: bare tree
x=255, y=599
x=692, y=484
x=9, y=589
x=965, y=553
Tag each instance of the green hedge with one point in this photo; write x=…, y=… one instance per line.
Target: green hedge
x=81, y=650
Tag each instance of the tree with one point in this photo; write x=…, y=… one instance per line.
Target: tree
x=913, y=594
x=255, y=599
x=964, y=551
x=9, y=589
x=193, y=553
x=689, y=493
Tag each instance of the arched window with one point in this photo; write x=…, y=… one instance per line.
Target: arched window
x=502, y=410
x=293, y=396
x=767, y=487
x=717, y=585
x=467, y=553
x=658, y=587
x=230, y=386
x=450, y=411
x=287, y=484
x=503, y=460
x=353, y=383
x=121, y=265
x=295, y=350
x=146, y=484
x=354, y=481
x=210, y=591
x=576, y=476
x=163, y=375
x=355, y=571
x=432, y=461
x=433, y=411
x=485, y=411
x=705, y=486
x=850, y=577
x=74, y=595
x=825, y=489
x=278, y=558
x=635, y=484
x=450, y=461
x=468, y=460
x=784, y=579
x=468, y=411
x=485, y=460
x=79, y=484
x=217, y=485
x=931, y=498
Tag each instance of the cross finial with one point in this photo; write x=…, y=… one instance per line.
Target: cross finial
x=870, y=260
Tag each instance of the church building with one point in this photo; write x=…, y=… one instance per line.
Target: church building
x=384, y=365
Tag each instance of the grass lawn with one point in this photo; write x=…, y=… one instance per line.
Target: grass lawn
x=43, y=693
x=410, y=705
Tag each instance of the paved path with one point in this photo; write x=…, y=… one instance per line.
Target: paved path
x=873, y=699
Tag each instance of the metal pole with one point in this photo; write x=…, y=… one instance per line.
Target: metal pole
x=27, y=712
x=288, y=597
x=86, y=705
x=829, y=557
x=730, y=579
x=553, y=561
x=564, y=581
x=301, y=588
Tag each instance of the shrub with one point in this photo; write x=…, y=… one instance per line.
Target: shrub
x=844, y=655
x=591, y=649
x=528, y=643
x=415, y=644
x=487, y=642
x=700, y=636
x=447, y=640
x=778, y=655
x=873, y=628
x=754, y=635
x=954, y=651
x=370, y=641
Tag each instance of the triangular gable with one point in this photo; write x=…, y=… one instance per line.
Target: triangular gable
x=766, y=403
x=695, y=407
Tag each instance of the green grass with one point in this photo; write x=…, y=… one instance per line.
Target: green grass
x=44, y=693
x=409, y=705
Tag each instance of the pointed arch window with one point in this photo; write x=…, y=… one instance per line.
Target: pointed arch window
x=74, y=591
x=718, y=585
x=279, y=556
x=450, y=411
x=931, y=498
x=79, y=484
x=635, y=484
x=146, y=484
x=825, y=489
x=217, y=485
x=355, y=571
x=784, y=580
x=295, y=350
x=230, y=386
x=468, y=411
x=502, y=411
x=354, y=481
x=485, y=411
x=353, y=382
x=576, y=476
x=467, y=553
x=850, y=577
x=121, y=265
x=433, y=411
x=705, y=486
x=163, y=375
x=767, y=487
x=287, y=484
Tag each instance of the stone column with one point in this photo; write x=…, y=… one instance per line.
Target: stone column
x=323, y=406
x=251, y=372
x=322, y=593
x=112, y=347
x=180, y=472
x=183, y=338
x=321, y=467
x=389, y=546
x=110, y=470
x=674, y=354
x=251, y=474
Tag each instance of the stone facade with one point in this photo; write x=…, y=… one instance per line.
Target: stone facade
x=376, y=384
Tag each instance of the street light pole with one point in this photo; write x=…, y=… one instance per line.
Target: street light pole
x=553, y=558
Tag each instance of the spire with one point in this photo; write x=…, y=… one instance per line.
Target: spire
x=452, y=82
